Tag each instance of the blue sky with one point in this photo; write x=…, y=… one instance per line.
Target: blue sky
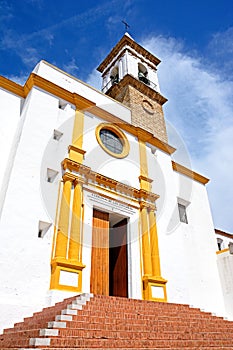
x=194, y=39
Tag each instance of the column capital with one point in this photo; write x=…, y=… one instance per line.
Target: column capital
x=149, y=206
x=79, y=180
x=68, y=177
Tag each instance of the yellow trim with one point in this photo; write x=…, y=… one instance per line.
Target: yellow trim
x=82, y=103
x=77, y=137
x=68, y=265
x=144, y=180
x=222, y=251
x=147, y=267
x=75, y=231
x=153, y=281
x=155, y=259
x=56, y=218
x=11, y=86
x=89, y=175
x=63, y=224
x=193, y=175
x=76, y=152
x=143, y=159
x=116, y=130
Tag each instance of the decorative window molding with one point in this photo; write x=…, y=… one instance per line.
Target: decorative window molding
x=112, y=140
x=43, y=228
x=182, y=205
x=182, y=213
x=57, y=135
x=51, y=175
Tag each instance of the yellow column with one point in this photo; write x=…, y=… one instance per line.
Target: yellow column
x=155, y=260
x=146, y=255
x=63, y=224
x=76, y=225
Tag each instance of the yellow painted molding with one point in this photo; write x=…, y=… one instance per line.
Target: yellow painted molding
x=89, y=175
x=81, y=102
x=153, y=281
x=78, y=128
x=11, y=86
x=75, y=243
x=193, y=175
x=76, y=149
x=115, y=129
x=67, y=265
x=146, y=254
x=63, y=222
x=75, y=99
x=70, y=263
x=141, y=177
x=143, y=160
x=222, y=251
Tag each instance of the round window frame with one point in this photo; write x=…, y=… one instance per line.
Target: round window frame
x=119, y=133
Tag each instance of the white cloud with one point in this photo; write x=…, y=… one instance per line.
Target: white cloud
x=19, y=79
x=220, y=51
x=94, y=79
x=71, y=67
x=201, y=108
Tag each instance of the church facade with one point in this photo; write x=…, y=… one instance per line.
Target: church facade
x=91, y=198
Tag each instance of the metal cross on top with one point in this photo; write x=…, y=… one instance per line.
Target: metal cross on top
x=126, y=25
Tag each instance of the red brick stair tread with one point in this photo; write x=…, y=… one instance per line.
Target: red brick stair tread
x=119, y=323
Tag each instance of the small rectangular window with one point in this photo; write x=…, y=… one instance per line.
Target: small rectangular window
x=182, y=213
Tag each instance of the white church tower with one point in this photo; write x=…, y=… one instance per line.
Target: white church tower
x=129, y=75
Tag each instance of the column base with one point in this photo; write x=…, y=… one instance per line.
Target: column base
x=154, y=288
x=66, y=275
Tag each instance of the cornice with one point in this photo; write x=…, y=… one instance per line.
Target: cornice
x=11, y=86
x=82, y=103
x=129, y=80
x=91, y=176
x=44, y=84
x=192, y=174
x=126, y=40
x=222, y=233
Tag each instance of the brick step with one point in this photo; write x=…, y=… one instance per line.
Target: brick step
x=119, y=323
x=125, y=343
x=154, y=326
x=44, y=316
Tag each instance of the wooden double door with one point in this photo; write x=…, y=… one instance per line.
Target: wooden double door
x=109, y=263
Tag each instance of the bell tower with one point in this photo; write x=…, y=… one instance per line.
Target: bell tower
x=129, y=75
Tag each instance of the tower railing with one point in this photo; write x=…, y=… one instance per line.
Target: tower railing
x=114, y=82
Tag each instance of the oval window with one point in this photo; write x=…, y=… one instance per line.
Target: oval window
x=112, y=140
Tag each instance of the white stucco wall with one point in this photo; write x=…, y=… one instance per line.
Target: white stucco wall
x=187, y=251
x=225, y=266
x=25, y=258
x=72, y=84
x=11, y=105
x=126, y=170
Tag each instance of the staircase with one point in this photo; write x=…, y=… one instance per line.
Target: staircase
x=102, y=322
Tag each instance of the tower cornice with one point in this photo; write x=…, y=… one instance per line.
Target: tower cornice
x=128, y=79
x=127, y=41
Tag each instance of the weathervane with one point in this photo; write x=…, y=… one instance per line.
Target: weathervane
x=126, y=25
